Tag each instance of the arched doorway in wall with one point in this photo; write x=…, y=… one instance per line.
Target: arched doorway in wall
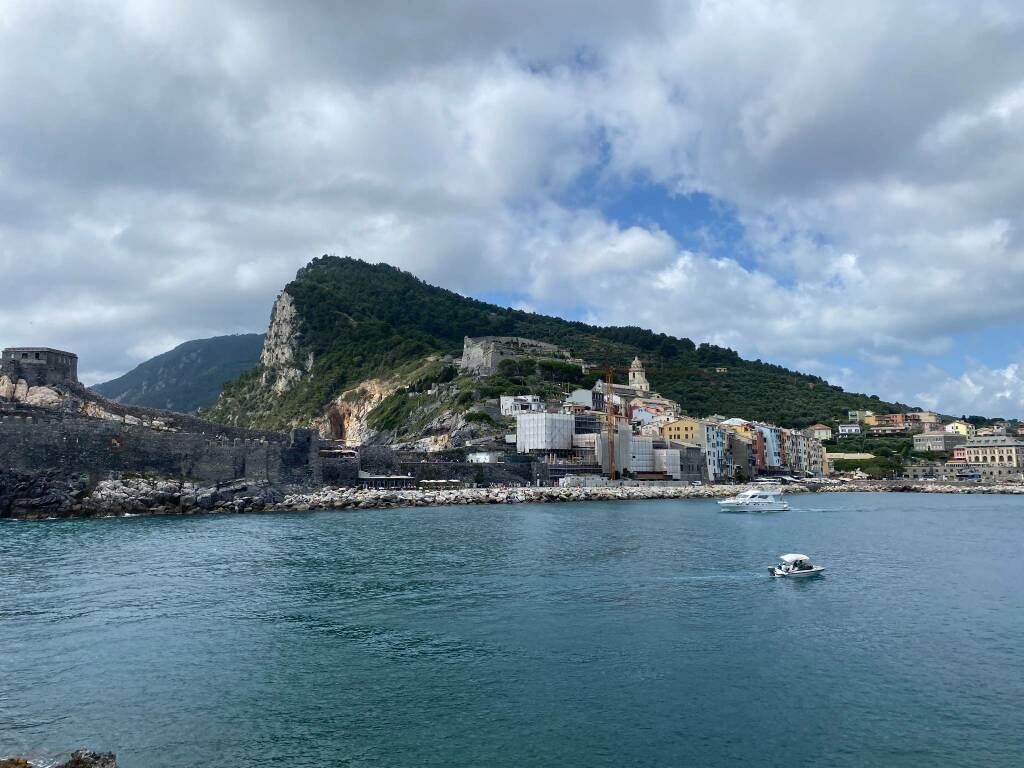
x=336, y=419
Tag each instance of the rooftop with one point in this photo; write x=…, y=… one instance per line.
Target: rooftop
x=994, y=440
x=40, y=349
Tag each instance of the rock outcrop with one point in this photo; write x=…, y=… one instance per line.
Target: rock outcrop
x=83, y=758
x=281, y=356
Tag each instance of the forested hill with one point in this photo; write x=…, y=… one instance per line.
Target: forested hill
x=188, y=377
x=357, y=320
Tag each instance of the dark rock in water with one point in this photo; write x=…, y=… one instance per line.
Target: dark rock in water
x=83, y=758
x=86, y=758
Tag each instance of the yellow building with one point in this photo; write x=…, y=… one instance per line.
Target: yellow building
x=964, y=428
x=686, y=428
x=1001, y=450
x=743, y=430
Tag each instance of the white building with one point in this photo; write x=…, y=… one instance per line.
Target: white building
x=668, y=460
x=641, y=457
x=819, y=431
x=849, y=429
x=485, y=457
x=714, y=450
x=514, y=404
x=544, y=432
x=623, y=448
x=582, y=397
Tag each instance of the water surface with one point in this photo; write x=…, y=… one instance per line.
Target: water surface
x=641, y=633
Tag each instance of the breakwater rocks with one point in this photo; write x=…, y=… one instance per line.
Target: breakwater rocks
x=40, y=497
x=351, y=498
x=83, y=758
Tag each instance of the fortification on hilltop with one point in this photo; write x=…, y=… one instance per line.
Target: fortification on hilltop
x=483, y=354
x=40, y=366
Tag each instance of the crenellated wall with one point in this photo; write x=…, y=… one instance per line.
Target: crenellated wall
x=36, y=439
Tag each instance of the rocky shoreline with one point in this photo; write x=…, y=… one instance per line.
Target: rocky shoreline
x=40, y=497
x=83, y=758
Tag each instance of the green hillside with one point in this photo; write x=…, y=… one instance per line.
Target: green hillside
x=361, y=321
x=188, y=377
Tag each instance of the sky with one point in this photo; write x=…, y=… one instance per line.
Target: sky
x=831, y=186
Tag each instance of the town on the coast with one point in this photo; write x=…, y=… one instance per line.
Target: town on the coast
x=60, y=439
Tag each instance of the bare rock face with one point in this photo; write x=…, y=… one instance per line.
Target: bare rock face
x=47, y=397
x=6, y=387
x=21, y=390
x=280, y=355
x=353, y=407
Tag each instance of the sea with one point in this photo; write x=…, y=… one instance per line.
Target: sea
x=584, y=634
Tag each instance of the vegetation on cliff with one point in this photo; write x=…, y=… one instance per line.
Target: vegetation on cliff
x=359, y=321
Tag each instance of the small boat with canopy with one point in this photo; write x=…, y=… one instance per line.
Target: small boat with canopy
x=796, y=566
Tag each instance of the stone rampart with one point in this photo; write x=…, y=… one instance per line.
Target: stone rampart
x=483, y=354
x=73, y=445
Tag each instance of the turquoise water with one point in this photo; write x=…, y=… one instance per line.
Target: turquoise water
x=642, y=634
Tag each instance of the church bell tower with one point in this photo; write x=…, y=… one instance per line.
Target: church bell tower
x=637, y=377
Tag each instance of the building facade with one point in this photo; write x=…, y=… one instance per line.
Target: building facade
x=996, y=450
x=544, y=432
x=513, y=404
x=819, y=432
x=958, y=427
x=39, y=366
x=937, y=441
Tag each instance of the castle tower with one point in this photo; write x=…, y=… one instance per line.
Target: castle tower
x=637, y=377
x=40, y=366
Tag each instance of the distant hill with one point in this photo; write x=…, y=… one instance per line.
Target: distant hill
x=343, y=321
x=187, y=378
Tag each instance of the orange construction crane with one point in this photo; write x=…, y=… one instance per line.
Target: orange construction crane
x=609, y=401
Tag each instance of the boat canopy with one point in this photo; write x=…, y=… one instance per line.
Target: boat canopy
x=793, y=558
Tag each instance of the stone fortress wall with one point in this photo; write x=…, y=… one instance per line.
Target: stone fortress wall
x=38, y=439
x=50, y=423
x=39, y=366
x=483, y=354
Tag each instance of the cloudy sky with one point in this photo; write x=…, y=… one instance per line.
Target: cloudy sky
x=836, y=187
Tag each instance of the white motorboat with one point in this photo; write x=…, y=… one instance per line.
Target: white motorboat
x=767, y=499
x=796, y=566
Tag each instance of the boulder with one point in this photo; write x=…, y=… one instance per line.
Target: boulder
x=85, y=758
x=45, y=397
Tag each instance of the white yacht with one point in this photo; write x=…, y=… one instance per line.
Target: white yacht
x=796, y=566
x=766, y=499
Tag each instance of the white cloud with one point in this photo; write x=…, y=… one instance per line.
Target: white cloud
x=170, y=165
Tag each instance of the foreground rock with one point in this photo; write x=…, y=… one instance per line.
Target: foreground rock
x=47, y=496
x=83, y=758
